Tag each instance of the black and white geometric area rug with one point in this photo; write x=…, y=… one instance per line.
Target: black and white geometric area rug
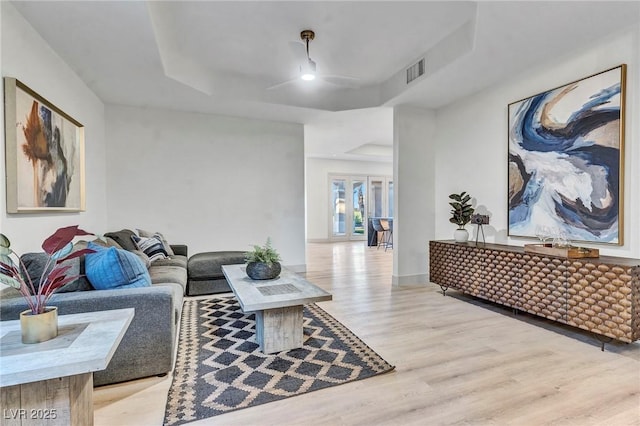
x=220, y=368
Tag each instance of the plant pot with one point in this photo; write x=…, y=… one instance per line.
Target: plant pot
x=461, y=235
x=263, y=271
x=39, y=328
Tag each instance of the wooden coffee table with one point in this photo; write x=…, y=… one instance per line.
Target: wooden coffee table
x=277, y=305
x=52, y=382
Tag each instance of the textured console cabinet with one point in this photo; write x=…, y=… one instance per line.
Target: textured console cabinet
x=601, y=295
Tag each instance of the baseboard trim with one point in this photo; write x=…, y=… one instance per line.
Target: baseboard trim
x=410, y=280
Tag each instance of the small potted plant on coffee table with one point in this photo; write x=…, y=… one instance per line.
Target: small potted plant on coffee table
x=263, y=262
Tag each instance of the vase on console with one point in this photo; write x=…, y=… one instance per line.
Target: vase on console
x=460, y=215
x=461, y=235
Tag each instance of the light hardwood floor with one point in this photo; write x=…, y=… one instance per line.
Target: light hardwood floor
x=458, y=361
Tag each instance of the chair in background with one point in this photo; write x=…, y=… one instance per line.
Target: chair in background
x=387, y=233
x=373, y=234
x=383, y=232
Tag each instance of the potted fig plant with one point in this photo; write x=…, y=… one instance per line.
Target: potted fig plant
x=461, y=215
x=40, y=322
x=263, y=262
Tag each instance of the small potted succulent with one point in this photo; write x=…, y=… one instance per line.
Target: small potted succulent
x=461, y=214
x=40, y=322
x=263, y=262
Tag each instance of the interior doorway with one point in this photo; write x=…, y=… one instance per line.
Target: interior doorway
x=353, y=199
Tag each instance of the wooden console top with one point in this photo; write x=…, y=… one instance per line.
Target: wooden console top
x=627, y=261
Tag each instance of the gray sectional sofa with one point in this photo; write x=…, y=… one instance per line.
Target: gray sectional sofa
x=148, y=347
x=205, y=271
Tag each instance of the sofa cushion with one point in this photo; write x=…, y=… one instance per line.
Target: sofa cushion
x=9, y=293
x=209, y=264
x=123, y=238
x=152, y=247
x=208, y=286
x=143, y=256
x=109, y=268
x=175, y=260
x=168, y=274
x=35, y=264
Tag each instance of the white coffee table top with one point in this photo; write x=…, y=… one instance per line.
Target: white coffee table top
x=290, y=289
x=85, y=343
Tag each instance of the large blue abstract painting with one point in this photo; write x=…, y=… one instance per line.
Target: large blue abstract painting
x=566, y=158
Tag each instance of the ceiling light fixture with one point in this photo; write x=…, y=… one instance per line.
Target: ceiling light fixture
x=308, y=69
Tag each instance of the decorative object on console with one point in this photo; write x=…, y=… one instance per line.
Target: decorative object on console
x=570, y=252
x=59, y=249
x=566, y=156
x=461, y=214
x=44, y=154
x=480, y=220
x=263, y=262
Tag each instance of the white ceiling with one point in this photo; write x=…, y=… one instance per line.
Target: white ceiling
x=221, y=57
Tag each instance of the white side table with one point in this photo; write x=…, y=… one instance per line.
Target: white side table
x=51, y=383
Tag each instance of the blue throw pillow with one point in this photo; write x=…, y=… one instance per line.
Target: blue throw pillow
x=110, y=268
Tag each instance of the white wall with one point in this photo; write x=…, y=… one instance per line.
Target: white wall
x=2, y=175
x=27, y=57
x=414, y=183
x=212, y=182
x=472, y=157
x=317, y=172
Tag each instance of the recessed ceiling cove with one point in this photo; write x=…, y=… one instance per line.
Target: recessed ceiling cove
x=222, y=56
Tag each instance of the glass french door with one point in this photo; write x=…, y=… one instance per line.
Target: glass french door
x=358, y=216
x=380, y=196
x=338, y=210
x=348, y=203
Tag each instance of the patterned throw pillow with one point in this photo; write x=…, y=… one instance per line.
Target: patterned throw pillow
x=110, y=268
x=152, y=247
x=165, y=243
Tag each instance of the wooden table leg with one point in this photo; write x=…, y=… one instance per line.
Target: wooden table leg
x=63, y=401
x=279, y=329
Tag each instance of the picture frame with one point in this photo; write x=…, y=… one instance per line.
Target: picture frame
x=44, y=154
x=566, y=161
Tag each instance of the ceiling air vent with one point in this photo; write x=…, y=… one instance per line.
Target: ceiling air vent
x=415, y=70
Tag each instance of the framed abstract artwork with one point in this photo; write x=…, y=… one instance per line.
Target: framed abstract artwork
x=566, y=158
x=44, y=150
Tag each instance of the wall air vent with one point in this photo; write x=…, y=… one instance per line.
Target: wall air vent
x=415, y=70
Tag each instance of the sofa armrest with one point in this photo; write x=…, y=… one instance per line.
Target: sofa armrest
x=179, y=249
x=147, y=346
